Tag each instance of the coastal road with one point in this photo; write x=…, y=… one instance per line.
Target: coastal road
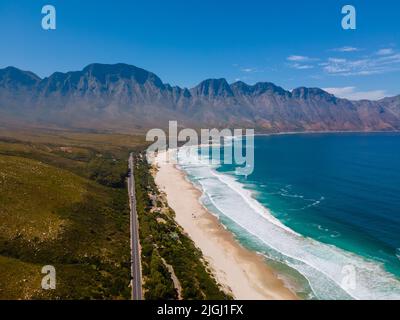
x=136, y=273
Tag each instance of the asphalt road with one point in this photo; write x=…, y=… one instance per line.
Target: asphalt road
x=136, y=274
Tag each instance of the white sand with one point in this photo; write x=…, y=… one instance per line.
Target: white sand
x=241, y=272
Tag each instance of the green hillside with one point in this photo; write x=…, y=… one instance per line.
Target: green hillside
x=63, y=203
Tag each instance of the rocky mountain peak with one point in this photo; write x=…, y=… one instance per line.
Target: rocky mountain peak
x=11, y=76
x=213, y=88
x=310, y=93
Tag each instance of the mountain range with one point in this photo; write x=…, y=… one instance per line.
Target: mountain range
x=123, y=97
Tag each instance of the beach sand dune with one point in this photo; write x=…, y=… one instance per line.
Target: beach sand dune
x=241, y=272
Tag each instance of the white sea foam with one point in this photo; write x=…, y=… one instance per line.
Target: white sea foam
x=321, y=264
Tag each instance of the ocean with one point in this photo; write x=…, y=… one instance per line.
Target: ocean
x=324, y=210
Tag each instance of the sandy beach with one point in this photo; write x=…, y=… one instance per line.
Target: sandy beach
x=241, y=272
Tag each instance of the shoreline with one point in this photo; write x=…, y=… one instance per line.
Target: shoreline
x=241, y=272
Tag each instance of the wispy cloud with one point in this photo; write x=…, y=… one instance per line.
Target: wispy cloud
x=385, y=52
x=248, y=70
x=352, y=93
x=300, y=62
x=364, y=66
x=298, y=58
x=377, y=62
x=299, y=66
x=346, y=49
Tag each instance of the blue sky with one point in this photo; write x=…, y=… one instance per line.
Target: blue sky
x=290, y=43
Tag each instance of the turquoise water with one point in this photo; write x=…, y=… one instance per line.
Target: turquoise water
x=315, y=206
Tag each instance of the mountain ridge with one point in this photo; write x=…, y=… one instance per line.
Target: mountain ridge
x=124, y=69
x=122, y=95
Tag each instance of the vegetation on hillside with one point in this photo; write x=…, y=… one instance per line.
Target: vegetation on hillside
x=164, y=243
x=63, y=202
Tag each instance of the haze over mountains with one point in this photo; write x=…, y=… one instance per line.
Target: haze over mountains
x=124, y=97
